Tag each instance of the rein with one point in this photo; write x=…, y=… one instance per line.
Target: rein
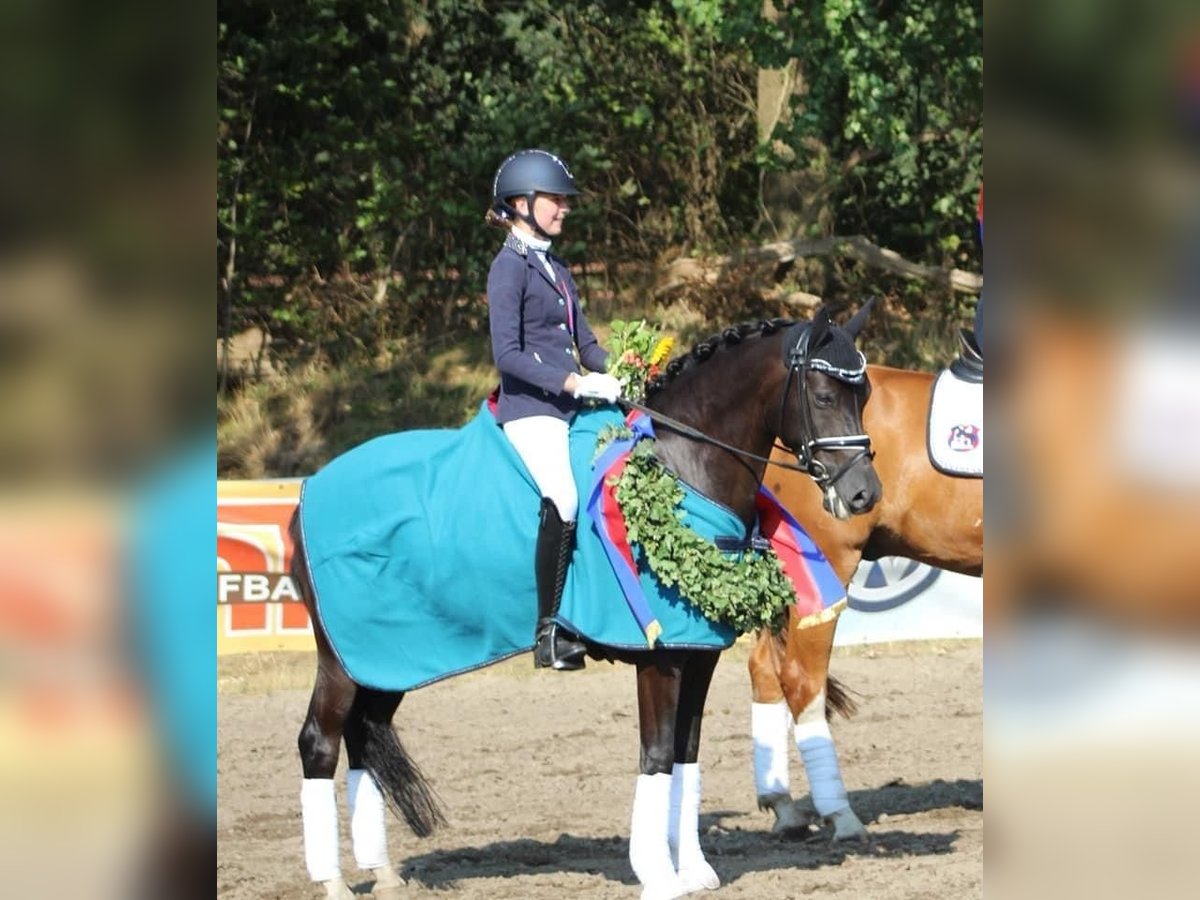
x=688, y=431
x=799, y=363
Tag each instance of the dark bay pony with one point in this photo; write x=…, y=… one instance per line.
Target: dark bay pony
x=745, y=388
x=923, y=515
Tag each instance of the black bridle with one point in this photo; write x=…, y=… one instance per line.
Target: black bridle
x=799, y=365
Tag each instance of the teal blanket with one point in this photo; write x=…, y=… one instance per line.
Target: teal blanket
x=420, y=550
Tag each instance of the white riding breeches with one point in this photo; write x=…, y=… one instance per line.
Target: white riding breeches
x=541, y=442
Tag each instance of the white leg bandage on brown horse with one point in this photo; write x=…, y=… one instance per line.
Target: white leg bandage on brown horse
x=649, y=851
x=318, y=811
x=815, y=743
x=369, y=830
x=367, y=826
x=770, y=727
x=683, y=830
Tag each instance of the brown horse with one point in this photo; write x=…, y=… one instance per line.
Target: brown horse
x=741, y=390
x=924, y=515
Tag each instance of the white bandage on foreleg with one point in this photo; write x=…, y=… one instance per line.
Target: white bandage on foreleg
x=815, y=743
x=367, y=825
x=683, y=829
x=683, y=826
x=318, y=812
x=649, y=852
x=769, y=731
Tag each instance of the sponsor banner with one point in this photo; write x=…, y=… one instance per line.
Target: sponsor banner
x=897, y=599
x=258, y=607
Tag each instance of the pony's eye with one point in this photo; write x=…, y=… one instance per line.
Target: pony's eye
x=824, y=400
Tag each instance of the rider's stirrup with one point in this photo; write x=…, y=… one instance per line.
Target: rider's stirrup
x=555, y=650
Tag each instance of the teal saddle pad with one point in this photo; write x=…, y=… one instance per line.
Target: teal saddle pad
x=420, y=549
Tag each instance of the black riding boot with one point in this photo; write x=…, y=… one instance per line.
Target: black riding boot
x=555, y=649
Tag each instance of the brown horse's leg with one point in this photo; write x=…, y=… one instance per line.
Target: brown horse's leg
x=804, y=676
x=659, y=678
x=765, y=659
x=319, y=742
x=770, y=730
x=683, y=826
x=368, y=829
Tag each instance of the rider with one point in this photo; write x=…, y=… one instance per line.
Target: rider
x=539, y=336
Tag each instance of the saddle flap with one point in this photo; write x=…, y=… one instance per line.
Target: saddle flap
x=954, y=437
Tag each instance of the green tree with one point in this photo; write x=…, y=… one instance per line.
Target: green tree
x=888, y=112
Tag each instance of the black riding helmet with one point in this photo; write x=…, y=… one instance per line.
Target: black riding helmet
x=526, y=173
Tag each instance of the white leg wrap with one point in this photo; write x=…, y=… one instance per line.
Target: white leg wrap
x=815, y=743
x=649, y=852
x=683, y=830
x=769, y=731
x=367, y=825
x=318, y=811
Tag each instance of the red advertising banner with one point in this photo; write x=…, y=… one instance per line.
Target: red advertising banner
x=258, y=607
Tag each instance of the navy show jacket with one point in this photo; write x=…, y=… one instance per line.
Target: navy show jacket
x=532, y=343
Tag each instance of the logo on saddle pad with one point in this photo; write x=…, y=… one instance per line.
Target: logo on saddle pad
x=963, y=438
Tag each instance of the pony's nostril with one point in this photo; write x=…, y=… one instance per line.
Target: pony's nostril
x=860, y=500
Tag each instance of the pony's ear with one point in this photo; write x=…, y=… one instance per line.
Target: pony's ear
x=859, y=319
x=819, y=330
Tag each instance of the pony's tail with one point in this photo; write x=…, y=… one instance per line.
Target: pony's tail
x=408, y=792
x=838, y=699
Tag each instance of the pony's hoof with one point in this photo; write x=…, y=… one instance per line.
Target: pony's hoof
x=337, y=889
x=699, y=877
x=388, y=885
x=847, y=827
x=665, y=890
x=791, y=822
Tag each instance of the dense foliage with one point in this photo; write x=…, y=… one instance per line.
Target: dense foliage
x=357, y=140
x=888, y=113
x=359, y=137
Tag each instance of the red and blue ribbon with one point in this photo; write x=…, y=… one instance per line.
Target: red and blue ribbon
x=818, y=592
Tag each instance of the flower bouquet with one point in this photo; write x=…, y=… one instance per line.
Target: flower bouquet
x=637, y=354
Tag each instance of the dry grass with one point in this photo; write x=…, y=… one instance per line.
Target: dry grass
x=261, y=673
x=294, y=423
x=291, y=670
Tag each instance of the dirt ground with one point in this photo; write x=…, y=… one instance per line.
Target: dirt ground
x=536, y=771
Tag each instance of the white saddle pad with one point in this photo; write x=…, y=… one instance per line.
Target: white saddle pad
x=955, y=435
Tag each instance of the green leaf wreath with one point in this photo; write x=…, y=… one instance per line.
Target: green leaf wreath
x=746, y=591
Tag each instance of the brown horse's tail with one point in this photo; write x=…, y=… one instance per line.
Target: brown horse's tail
x=838, y=699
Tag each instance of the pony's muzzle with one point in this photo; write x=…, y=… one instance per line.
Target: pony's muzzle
x=862, y=501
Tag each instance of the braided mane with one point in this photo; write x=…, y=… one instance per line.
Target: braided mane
x=730, y=337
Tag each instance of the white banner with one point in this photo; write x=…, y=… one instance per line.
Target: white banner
x=897, y=599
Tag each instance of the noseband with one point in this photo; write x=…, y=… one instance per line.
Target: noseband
x=799, y=365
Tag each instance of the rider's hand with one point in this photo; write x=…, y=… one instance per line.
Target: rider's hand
x=597, y=385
